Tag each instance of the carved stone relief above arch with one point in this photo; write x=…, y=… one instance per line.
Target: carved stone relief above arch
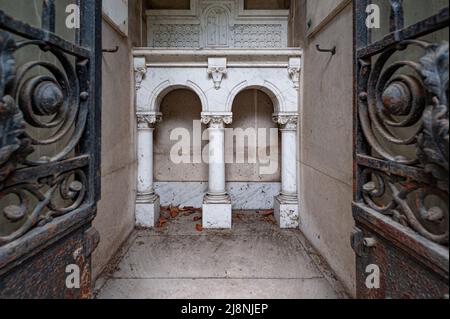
x=217, y=24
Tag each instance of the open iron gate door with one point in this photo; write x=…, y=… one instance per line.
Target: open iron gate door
x=401, y=153
x=49, y=153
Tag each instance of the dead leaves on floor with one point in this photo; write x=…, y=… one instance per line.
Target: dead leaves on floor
x=173, y=212
x=265, y=212
x=169, y=213
x=267, y=216
x=162, y=221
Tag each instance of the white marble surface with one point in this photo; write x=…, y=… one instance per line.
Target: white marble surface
x=287, y=215
x=216, y=133
x=267, y=70
x=250, y=196
x=244, y=196
x=145, y=160
x=147, y=214
x=289, y=161
x=217, y=216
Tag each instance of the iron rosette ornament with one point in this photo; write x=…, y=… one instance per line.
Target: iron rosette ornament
x=403, y=113
x=40, y=105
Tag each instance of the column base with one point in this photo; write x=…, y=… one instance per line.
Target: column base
x=216, y=215
x=147, y=213
x=286, y=212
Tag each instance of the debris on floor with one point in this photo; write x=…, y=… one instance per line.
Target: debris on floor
x=171, y=212
x=254, y=259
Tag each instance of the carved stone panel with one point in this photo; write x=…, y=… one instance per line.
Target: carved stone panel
x=175, y=35
x=258, y=35
x=217, y=27
x=218, y=23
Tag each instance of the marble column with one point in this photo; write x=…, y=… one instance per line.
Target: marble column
x=147, y=202
x=217, y=203
x=286, y=204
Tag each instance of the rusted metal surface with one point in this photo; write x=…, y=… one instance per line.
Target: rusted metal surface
x=410, y=267
x=401, y=194
x=49, y=201
x=44, y=275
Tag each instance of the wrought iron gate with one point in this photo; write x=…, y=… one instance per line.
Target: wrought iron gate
x=401, y=157
x=49, y=154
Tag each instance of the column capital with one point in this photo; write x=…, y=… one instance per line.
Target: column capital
x=148, y=120
x=217, y=119
x=287, y=121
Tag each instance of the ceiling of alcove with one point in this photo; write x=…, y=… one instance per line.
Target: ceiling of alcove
x=249, y=4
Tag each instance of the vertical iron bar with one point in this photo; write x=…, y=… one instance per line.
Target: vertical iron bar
x=48, y=15
x=361, y=36
x=91, y=36
x=77, y=31
x=396, y=20
x=361, y=32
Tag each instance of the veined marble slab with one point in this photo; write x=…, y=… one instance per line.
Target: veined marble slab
x=244, y=196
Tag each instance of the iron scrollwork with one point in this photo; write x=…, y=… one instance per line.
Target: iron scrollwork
x=410, y=203
x=415, y=101
x=433, y=141
x=71, y=188
x=14, y=146
x=49, y=100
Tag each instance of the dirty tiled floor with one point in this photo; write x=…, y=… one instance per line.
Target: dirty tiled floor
x=253, y=260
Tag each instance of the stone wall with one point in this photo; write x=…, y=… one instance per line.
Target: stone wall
x=327, y=124
x=326, y=136
x=115, y=218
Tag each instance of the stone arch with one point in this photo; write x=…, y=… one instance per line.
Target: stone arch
x=166, y=87
x=265, y=86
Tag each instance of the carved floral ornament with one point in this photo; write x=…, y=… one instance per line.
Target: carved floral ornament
x=140, y=70
x=217, y=73
x=294, y=71
x=217, y=119
x=217, y=69
x=148, y=120
x=139, y=76
x=286, y=121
